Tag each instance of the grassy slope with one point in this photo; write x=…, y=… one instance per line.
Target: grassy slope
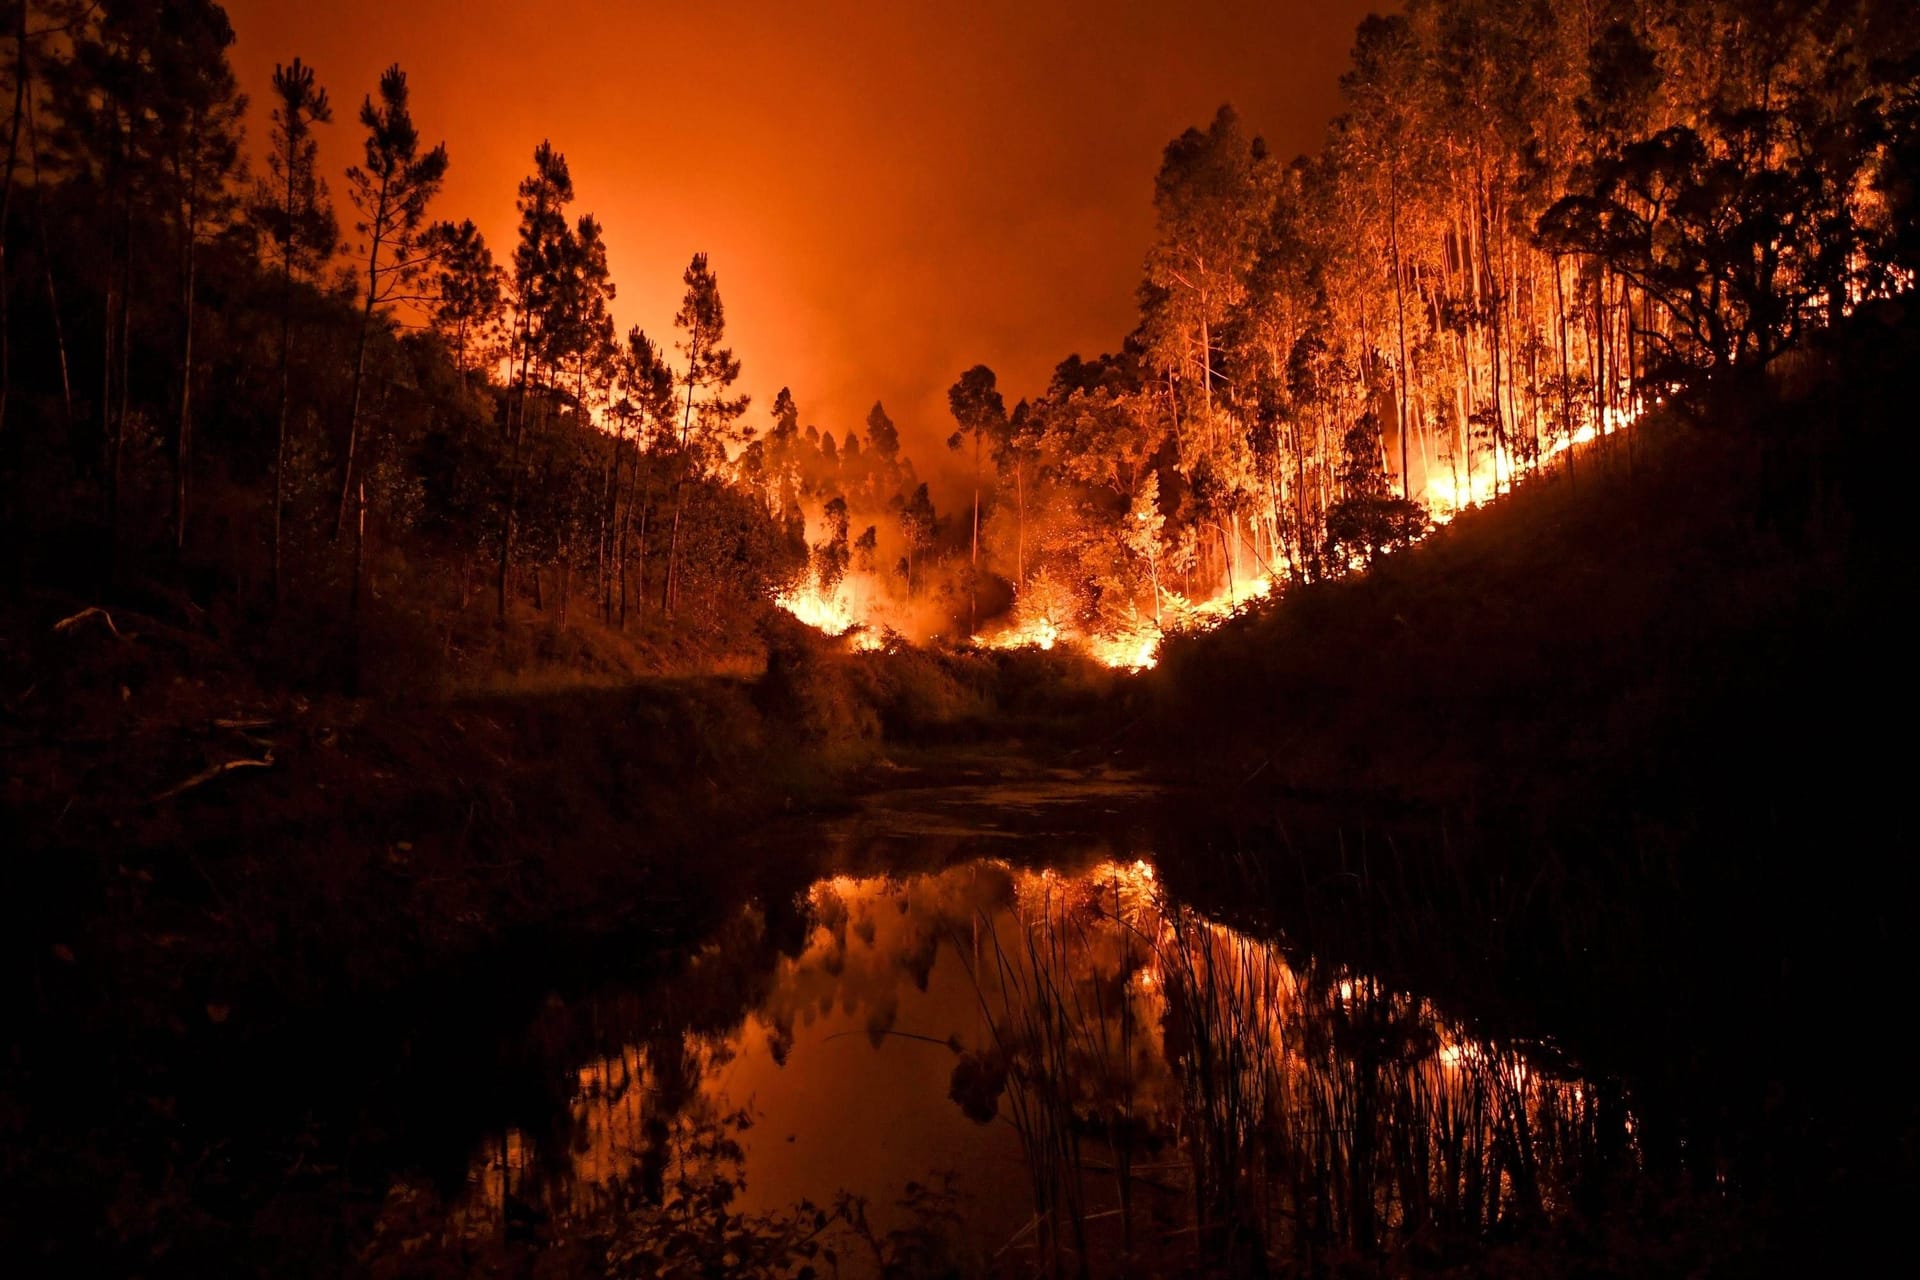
x=1617, y=760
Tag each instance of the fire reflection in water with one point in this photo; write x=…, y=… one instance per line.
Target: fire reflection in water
x=1177, y=1094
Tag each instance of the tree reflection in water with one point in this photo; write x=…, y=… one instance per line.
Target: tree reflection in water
x=1181, y=1096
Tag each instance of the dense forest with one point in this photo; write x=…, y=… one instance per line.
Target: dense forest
x=1532, y=222
x=317, y=414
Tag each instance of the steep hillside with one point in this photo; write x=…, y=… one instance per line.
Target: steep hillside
x=1618, y=762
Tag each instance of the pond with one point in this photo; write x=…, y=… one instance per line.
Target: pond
x=992, y=1041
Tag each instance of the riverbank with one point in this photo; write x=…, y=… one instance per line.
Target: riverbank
x=217, y=880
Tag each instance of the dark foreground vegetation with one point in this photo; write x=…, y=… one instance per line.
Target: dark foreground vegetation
x=220, y=889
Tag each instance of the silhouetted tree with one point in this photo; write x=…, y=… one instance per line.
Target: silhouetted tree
x=292, y=207
x=468, y=285
x=391, y=190
x=982, y=417
x=708, y=421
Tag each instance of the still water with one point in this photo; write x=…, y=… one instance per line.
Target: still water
x=988, y=1044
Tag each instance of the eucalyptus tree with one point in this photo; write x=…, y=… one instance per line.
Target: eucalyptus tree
x=915, y=515
x=391, y=190
x=1208, y=198
x=292, y=207
x=1384, y=55
x=882, y=434
x=981, y=417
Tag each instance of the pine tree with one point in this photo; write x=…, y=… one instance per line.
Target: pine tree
x=391, y=191
x=709, y=420
x=467, y=289
x=543, y=200
x=292, y=207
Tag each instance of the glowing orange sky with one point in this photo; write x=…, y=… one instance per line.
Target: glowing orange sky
x=890, y=192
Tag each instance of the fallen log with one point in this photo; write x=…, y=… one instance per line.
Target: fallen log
x=209, y=774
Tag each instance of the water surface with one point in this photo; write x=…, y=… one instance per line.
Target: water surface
x=995, y=1042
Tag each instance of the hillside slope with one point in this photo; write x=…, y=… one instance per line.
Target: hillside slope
x=1617, y=762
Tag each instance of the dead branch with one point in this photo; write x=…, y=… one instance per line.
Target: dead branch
x=209, y=774
x=91, y=611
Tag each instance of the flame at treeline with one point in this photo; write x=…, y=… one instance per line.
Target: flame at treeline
x=1476, y=282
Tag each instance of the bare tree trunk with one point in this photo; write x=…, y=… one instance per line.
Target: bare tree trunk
x=286, y=361
x=353, y=414
x=375, y=235
x=1020, y=548
x=973, y=573
x=670, y=592
x=109, y=440
x=6, y=206
x=640, y=548
x=355, y=603
x=1566, y=386
x=672, y=586
x=46, y=262
x=183, y=437
x=1400, y=316
x=516, y=431
x=124, y=354
x=359, y=550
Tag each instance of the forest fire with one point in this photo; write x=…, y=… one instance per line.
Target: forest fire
x=1438, y=486
x=867, y=606
x=831, y=615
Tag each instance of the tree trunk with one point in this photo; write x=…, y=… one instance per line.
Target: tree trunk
x=1566, y=385
x=359, y=549
x=672, y=586
x=640, y=544
x=280, y=433
x=516, y=431
x=670, y=591
x=376, y=234
x=46, y=263
x=123, y=354
x=356, y=601
x=353, y=414
x=183, y=438
x=1400, y=316
x=1020, y=493
x=973, y=572
x=6, y=207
